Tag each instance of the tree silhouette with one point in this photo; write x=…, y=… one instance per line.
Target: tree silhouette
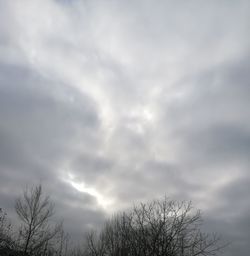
x=161, y=227
x=35, y=212
x=6, y=241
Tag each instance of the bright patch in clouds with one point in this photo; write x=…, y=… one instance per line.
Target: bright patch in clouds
x=105, y=203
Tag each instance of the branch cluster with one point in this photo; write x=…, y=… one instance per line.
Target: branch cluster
x=161, y=227
x=158, y=228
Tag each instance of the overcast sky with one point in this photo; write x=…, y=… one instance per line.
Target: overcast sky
x=109, y=103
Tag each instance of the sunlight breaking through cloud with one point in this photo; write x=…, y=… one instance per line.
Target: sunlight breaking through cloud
x=104, y=202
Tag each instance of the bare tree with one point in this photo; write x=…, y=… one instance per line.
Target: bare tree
x=6, y=239
x=35, y=212
x=159, y=228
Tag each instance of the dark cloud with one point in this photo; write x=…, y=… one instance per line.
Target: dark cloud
x=231, y=216
x=212, y=120
x=90, y=167
x=41, y=121
x=112, y=103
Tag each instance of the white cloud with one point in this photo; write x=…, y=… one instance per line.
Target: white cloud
x=135, y=98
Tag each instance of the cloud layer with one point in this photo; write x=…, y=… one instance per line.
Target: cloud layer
x=111, y=103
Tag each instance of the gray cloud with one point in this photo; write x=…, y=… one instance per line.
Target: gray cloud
x=111, y=103
x=41, y=123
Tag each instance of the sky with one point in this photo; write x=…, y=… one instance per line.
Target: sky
x=111, y=103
